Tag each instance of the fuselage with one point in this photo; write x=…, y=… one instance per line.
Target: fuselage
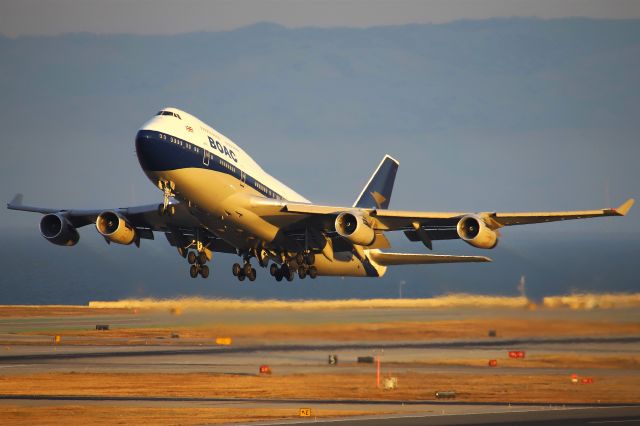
x=220, y=183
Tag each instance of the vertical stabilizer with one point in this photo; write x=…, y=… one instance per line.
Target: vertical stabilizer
x=377, y=193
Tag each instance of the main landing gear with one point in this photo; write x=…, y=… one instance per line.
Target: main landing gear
x=300, y=263
x=198, y=264
x=304, y=262
x=197, y=257
x=245, y=271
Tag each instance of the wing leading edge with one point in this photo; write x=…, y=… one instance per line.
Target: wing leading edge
x=393, y=220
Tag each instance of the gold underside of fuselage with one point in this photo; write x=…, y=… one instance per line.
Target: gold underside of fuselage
x=220, y=202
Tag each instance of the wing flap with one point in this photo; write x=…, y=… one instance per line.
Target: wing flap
x=406, y=214
x=314, y=209
x=389, y=259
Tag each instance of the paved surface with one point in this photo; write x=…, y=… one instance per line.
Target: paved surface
x=29, y=354
x=297, y=358
x=410, y=414
x=565, y=417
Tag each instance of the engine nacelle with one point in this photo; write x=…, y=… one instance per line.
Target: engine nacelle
x=57, y=230
x=115, y=228
x=475, y=232
x=354, y=228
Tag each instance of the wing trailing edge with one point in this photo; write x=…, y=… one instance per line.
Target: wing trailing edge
x=389, y=259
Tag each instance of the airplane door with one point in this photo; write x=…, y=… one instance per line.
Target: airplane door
x=243, y=177
x=205, y=157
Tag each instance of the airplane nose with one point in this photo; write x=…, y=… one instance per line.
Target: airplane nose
x=144, y=149
x=158, y=151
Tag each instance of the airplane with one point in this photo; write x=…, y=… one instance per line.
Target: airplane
x=216, y=198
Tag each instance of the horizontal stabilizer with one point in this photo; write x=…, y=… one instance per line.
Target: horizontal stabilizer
x=388, y=259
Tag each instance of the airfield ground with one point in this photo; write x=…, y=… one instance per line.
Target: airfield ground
x=162, y=365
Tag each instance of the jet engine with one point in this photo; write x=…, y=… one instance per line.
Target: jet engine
x=57, y=230
x=475, y=232
x=115, y=228
x=354, y=228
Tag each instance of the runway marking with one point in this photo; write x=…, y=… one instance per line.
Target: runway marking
x=616, y=421
x=15, y=365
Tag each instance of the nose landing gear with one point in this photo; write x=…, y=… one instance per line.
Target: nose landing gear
x=167, y=188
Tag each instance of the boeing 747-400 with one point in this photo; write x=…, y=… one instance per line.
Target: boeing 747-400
x=216, y=198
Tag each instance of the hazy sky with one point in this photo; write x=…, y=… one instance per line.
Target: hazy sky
x=38, y=17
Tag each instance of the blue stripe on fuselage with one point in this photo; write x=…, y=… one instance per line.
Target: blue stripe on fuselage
x=159, y=152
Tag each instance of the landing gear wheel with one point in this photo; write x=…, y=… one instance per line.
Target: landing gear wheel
x=273, y=269
x=299, y=258
x=204, y=271
x=313, y=272
x=191, y=257
x=160, y=210
x=236, y=269
x=252, y=275
x=241, y=277
x=247, y=268
x=202, y=258
x=171, y=210
x=289, y=275
x=310, y=258
x=278, y=275
x=302, y=272
x=182, y=251
x=193, y=271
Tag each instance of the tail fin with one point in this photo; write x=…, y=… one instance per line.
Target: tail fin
x=377, y=193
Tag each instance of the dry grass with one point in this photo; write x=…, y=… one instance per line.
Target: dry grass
x=26, y=311
x=489, y=387
x=587, y=301
x=560, y=361
x=109, y=415
x=455, y=300
x=202, y=304
x=581, y=301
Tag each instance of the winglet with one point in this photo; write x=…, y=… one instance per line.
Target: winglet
x=625, y=207
x=15, y=201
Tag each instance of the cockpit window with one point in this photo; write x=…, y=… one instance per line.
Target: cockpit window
x=169, y=113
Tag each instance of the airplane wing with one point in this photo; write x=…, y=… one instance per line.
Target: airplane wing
x=179, y=228
x=393, y=220
x=138, y=216
x=430, y=226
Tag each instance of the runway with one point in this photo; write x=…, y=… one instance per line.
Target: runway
x=566, y=417
x=140, y=370
x=418, y=413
